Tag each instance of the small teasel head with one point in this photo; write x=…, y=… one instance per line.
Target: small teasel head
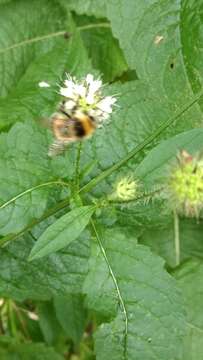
x=185, y=185
x=126, y=189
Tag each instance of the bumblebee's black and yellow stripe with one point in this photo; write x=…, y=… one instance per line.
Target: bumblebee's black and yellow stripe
x=70, y=128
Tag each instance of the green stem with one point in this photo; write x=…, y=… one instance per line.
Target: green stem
x=77, y=167
x=138, y=148
x=59, y=182
x=33, y=40
x=46, y=215
x=11, y=317
x=93, y=26
x=121, y=301
x=176, y=238
x=95, y=181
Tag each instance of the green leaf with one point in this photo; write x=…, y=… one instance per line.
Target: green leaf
x=24, y=165
x=189, y=277
x=192, y=40
x=27, y=98
x=103, y=48
x=71, y=314
x=160, y=237
x=151, y=35
x=19, y=33
x=59, y=274
x=48, y=323
x=146, y=300
x=62, y=232
x=28, y=352
x=129, y=136
x=88, y=7
x=156, y=165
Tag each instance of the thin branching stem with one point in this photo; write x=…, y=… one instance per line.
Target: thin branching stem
x=176, y=237
x=93, y=26
x=95, y=181
x=52, y=35
x=77, y=167
x=28, y=191
x=33, y=40
x=121, y=301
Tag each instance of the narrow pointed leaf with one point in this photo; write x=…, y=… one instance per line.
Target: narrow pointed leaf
x=62, y=232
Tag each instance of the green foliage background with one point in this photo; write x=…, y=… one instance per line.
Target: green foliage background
x=101, y=281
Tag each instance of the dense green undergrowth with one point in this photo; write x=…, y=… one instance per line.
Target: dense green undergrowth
x=85, y=274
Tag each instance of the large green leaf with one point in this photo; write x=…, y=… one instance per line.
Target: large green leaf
x=192, y=40
x=59, y=274
x=153, y=37
x=161, y=238
x=64, y=230
x=128, y=282
x=104, y=50
x=19, y=32
x=32, y=102
x=139, y=114
x=156, y=165
x=189, y=277
x=49, y=324
x=71, y=314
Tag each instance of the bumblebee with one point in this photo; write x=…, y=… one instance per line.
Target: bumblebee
x=69, y=127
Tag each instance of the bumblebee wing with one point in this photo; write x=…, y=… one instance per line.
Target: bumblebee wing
x=63, y=128
x=57, y=148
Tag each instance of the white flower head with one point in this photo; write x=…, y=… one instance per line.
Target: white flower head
x=86, y=95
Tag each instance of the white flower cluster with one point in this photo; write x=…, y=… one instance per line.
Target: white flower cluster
x=86, y=95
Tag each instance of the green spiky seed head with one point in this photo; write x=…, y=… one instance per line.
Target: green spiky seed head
x=186, y=185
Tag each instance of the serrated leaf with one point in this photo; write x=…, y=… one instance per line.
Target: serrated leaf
x=189, y=277
x=19, y=30
x=32, y=102
x=138, y=116
x=88, y=7
x=192, y=40
x=71, y=314
x=156, y=165
x=24, y=165
x=151, y=35
x=103, y=50
x=59, y=274
x=64, y=230
x=147, y=302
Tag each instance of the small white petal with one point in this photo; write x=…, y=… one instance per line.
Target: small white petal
x=89, y=78
x=80, y=90
x=69, y=83
x=90, y=99
x=69, y=104
x=67, y=92
x=106, y=104
x=43, y=84
x=95, y=86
